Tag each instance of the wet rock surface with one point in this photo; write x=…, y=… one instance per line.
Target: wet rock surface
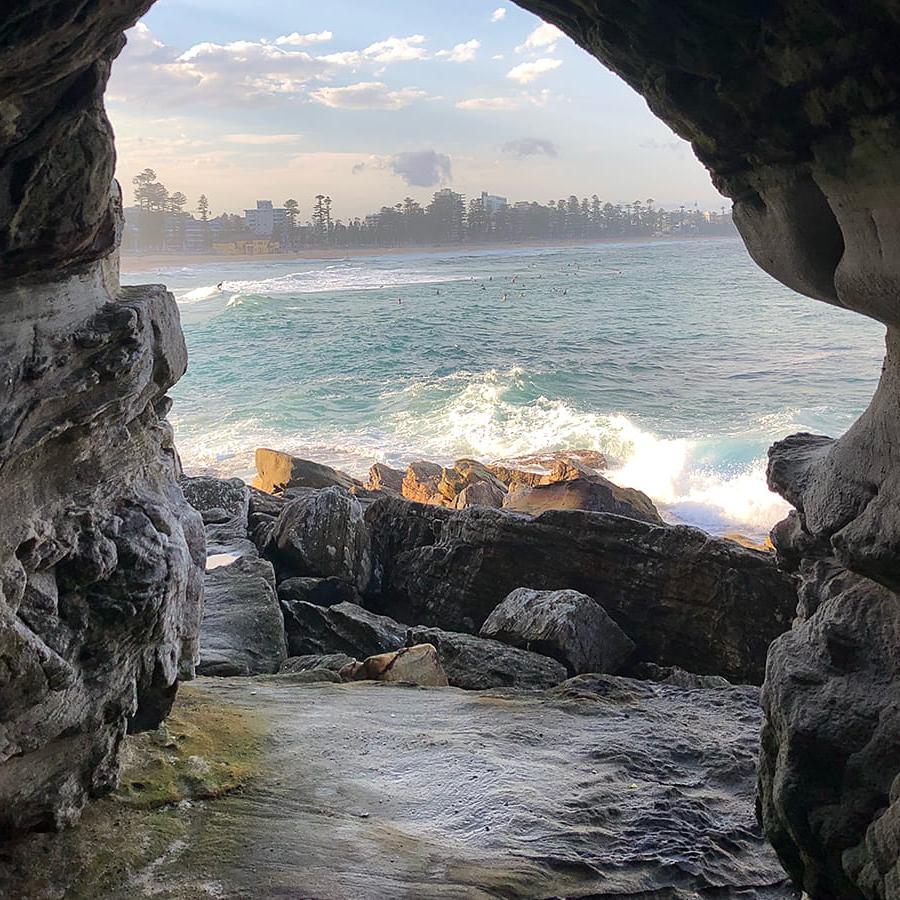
x=602, y=788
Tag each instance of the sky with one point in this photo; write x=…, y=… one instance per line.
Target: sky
x=371, y=101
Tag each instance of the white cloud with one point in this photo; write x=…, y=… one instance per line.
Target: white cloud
x=499, y=104
x=302, y=40
x=544, y=39
x=262, y=139
x=366, y=95
x=461, y=52
x=499, y=14
x=395, y=49
x=497, y=56
x=527, y=72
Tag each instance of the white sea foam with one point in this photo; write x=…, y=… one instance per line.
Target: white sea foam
x=330, y=278
x=476, y=417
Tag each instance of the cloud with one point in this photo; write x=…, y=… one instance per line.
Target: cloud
x=525, y=147
x=498, y=56
x=366, y=95
x=419, y=168
x=302, y=40
x=518, y=101
x=499, y=14
x=544, y=39
x=461, y=52
x=262, y=139
x=527, y=72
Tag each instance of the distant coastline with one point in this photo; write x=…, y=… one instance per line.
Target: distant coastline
x=147, y=262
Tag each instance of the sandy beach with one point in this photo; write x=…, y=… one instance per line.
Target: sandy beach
x=149, y=262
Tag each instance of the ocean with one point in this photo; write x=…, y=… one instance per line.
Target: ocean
x=680, y=360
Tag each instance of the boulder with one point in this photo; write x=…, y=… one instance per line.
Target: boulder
x=422, y=482
x=223, y=505
x=334, y=662
x=383, y=478
x=277, y=472
x=511, y=477
x=411, y=665
x=263, y=510
x=570, y=469
x=311, y=676
x=479, y=493
x=322, y=533
x=320, y=591
x=462, y=474
x=476, y=663
x=596, y=494
x=685, y=598
x=565, y=625
x=242, y=630
x=344, y=628
x=397, y=526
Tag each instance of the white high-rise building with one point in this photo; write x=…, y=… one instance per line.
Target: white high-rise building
x=266, y=219
x=492, y=202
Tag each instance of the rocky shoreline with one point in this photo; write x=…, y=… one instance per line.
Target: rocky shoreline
x=512, y=577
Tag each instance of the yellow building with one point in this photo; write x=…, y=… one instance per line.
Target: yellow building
x=246, y=246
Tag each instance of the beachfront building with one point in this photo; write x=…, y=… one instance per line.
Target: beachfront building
x=246, y=246
x=266, y=220
x=492, y=202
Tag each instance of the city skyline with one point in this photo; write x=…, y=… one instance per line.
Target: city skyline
x=366, y=102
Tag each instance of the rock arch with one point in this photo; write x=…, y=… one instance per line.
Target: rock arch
x=791, y=105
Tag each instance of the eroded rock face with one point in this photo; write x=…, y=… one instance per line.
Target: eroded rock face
x=100, y=556
x=101, y=560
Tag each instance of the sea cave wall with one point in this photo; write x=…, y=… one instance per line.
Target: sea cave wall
x=100, y=557
x=792, y=106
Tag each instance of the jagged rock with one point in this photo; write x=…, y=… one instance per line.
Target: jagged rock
x=334, y=662
x=465, y=473
x=678, y=676
x=412, y=665
x=344, y=628
x=512, y=477
x=383, y=478
x=421, y=482
x=479, y=493
x=242, y=631
x=477, y=663
x=224, y=506
x=596, y=494
x=570, y=469
x=322, y=533
x=397, y=526
x=320, y=591
x=565, y=625
x=310, y=676
x=685, y=598
x=278, y=472
x=263, y=510
x=101, y=557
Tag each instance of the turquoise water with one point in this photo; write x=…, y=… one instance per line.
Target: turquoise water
x=681, y=360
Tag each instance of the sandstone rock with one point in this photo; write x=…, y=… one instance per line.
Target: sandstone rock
x=320, y=591
x=685, y=598
x=277, y=472
x=571, y=469
x=421, y=482
x=476, y=663
x=479, y=493
x=322, y=533
x=344, y=628
x=765, y=545
x=512, y=477
x=383, y=478
x=464, y=473
x=242, y=631
x=334, y=662
x=412, y=665
x=596, y=494
x=565, y=625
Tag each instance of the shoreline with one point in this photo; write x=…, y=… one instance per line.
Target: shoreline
x=136, y=262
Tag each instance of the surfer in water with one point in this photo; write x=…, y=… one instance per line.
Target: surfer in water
x=219, y=285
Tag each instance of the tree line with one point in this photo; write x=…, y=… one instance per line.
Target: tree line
x=164, y=222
